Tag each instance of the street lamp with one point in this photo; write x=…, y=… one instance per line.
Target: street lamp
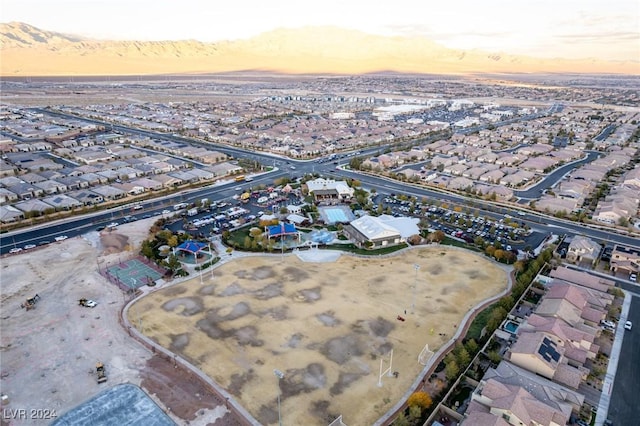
x=415, y=284
x=280, y=375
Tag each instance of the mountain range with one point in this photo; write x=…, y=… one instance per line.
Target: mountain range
x=29, y=51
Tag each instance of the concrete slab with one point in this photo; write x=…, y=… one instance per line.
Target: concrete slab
x=124, y=404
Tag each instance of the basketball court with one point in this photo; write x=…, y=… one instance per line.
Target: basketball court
x=133, y=273
x=123, y=404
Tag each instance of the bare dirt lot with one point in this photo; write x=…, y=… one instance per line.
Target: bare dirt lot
x=47, y=353
x=326, y=326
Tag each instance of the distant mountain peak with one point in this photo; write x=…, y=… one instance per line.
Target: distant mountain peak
x=30, y=51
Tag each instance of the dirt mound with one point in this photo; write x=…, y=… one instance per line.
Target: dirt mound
x=114, y=242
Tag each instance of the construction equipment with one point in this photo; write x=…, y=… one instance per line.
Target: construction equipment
x=87, y=303
x=30, y=303
x=100, y=371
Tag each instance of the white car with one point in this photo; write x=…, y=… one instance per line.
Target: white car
x=633, y=277
x=609, y=324
x=29, y=246
x=61, y=238
x=15, y=250
x=628, y=325
x=91, y=303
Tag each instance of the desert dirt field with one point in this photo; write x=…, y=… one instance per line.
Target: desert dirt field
x=48, y=354
x=326, y=326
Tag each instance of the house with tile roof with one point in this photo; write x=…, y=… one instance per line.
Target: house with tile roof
x=551, y=393
x=583, y=249
x=544, y=354
x=513, y=404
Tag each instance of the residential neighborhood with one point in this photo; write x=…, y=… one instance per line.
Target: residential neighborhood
x=538, y=183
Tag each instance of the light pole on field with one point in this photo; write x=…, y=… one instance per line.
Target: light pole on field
x=415, y=284
x=280, y=375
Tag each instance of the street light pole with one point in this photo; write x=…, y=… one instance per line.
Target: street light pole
x=415, y=284
x=280, y=375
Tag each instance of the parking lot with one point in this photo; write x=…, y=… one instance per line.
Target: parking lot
x=471, y=227
x=215, y=216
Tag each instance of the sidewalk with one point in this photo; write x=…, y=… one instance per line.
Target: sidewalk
x=605, y=397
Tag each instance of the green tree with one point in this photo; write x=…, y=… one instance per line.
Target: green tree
x=495, y=318
x=506, y=302
x=164, y=235
x=449, y=358
x=147, y=249
x=415, y=412
x=172, y=263
x=452, y=370
x=172, y=241
x=401, y=420
x=494, y=357
x=472, y=346
x=463, y=357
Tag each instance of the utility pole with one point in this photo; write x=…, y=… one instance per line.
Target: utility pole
x=415, y=284
x=280, y=375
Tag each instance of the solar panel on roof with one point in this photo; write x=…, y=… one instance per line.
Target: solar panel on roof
x=548, y=350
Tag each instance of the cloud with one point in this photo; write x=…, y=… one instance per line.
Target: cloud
x=602, y=38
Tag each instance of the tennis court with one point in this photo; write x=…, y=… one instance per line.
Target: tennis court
x=134, y=273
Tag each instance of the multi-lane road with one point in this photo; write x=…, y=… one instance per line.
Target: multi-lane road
x=286, y=167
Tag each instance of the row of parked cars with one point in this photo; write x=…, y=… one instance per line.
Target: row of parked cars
x=459, y=224
x=611, y=326
x=32, y=246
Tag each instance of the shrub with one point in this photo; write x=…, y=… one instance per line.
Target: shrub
x=419, y=399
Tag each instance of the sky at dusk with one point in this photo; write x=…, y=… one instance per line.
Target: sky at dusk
x=549, y=28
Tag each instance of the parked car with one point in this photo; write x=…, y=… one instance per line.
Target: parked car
x=15, y=250
x=628, y=325
x=633, y=277
x=609, y=324
x=29, y=246
x=61, y=238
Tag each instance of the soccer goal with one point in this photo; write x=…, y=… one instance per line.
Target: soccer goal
x=387, y=371
x=337, y=422
x=425, y=355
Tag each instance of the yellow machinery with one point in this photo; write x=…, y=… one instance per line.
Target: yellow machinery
x=100, y=371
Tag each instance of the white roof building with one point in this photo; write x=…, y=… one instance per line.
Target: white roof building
x=381, y=231
x=344, y=190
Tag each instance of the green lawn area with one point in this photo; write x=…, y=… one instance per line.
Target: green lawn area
x=451, y=242
x=238, y=237
x=479, y=322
